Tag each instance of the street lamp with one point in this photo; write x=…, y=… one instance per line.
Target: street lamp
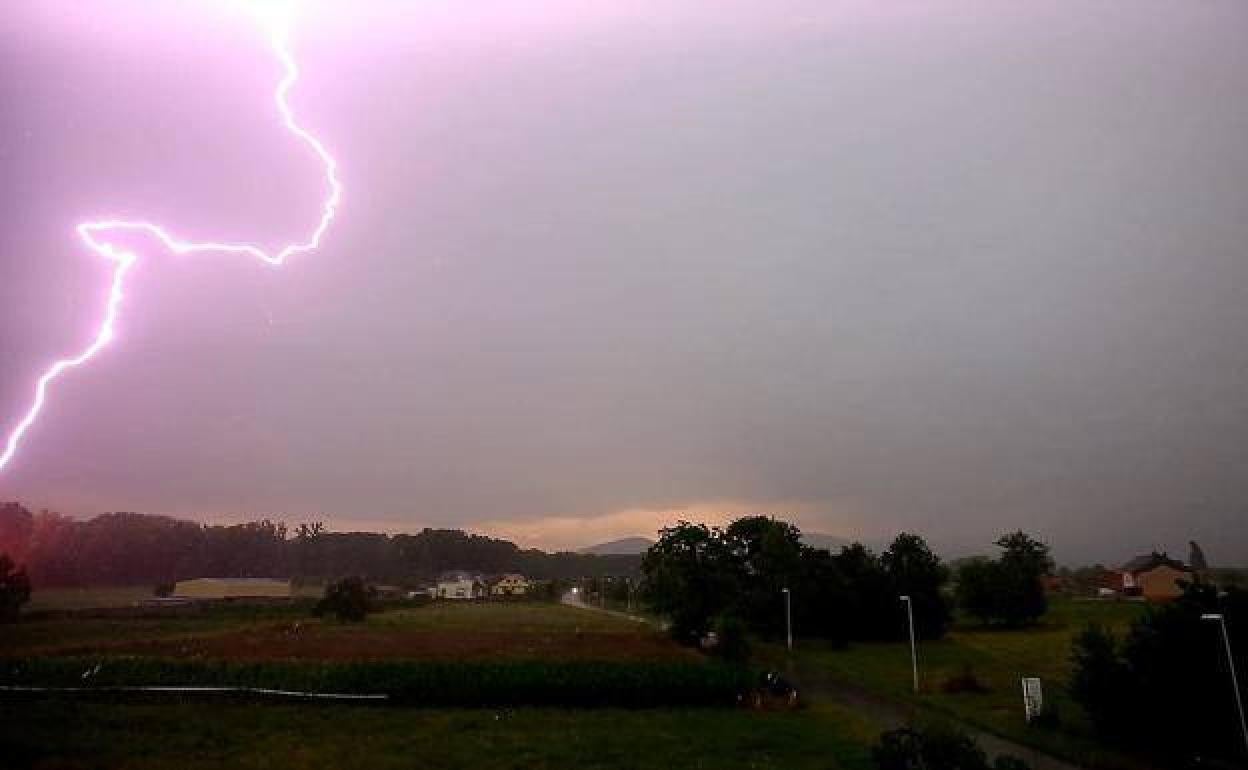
x=788, y=618
x=1230, y=661
x=914, y=652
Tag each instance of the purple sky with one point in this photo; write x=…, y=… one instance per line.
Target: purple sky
x=955, y=267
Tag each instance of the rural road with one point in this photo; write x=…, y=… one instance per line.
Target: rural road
x=886, y=714
x=573, y=600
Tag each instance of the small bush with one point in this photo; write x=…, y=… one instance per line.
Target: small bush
x=348, y=599
x=14, y=589
x=964, y=681
x=936, y=748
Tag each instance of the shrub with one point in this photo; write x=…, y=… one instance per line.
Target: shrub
x=14, y=589
x=963, y=681
x=348, y=599
x=936, y=748
x=1170, y=655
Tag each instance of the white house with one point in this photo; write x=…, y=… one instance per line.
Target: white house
x=510, y=584
x=459, y=585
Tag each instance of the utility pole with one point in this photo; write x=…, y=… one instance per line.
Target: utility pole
x=914, y=652
x=788, y=618
x=1230, y=661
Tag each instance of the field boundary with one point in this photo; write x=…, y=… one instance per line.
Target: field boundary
x=186, y=690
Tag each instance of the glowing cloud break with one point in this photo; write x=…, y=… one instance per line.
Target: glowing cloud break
x=275, y=17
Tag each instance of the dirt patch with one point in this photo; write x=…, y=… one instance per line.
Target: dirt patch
x=303, y=641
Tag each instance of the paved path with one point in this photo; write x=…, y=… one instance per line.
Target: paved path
x=574, y=600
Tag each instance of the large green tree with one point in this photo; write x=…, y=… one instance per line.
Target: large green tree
x=698, y=575
x=915, y=571
x=691, y=575
x=1008, y=590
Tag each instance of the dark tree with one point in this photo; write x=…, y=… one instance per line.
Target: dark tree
x=699, y=576
x=767, y=558
x=915, y=571
x=690, y=575
x=1170, y=655
x=873, y=610
x=1101, y=682
x=349, y=599
x=14, y=589
x=1008, y=590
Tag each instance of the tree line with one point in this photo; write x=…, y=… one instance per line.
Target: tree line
x=709, y=578
x=737, y=579
x=138, y=549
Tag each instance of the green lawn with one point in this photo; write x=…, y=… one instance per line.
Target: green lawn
x=998, y=658
x=64, y=735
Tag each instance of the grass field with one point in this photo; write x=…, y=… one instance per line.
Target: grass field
x=107, y=732
x=999, y=659
x=51, y=734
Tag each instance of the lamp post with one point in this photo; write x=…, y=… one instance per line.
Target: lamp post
x=1230, y=661
x=788, y=618
x=914, y=652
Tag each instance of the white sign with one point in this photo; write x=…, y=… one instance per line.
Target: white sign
x=1033, y=697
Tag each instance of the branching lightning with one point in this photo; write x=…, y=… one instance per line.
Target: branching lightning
x=275, y=16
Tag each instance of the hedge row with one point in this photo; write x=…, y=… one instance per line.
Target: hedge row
x=534, y=683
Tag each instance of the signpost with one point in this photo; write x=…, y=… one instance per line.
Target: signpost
x=1033, y=697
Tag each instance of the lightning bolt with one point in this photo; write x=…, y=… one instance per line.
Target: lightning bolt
x=275, y=16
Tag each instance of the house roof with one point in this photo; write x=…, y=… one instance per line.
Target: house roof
x=1145, y=562
x=455, y=576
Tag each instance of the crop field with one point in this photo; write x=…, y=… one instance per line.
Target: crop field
x=998, y=659
x=473, y=685
x=460, y=654
x=53, y=599
x=436, y=632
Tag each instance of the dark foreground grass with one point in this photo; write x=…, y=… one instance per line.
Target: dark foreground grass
x=415, y=683
x=75, y=735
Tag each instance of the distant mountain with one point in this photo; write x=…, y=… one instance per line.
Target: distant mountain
x=627, y=545
x=828, y=542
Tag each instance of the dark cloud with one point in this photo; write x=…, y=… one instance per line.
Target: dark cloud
x=954, y=271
